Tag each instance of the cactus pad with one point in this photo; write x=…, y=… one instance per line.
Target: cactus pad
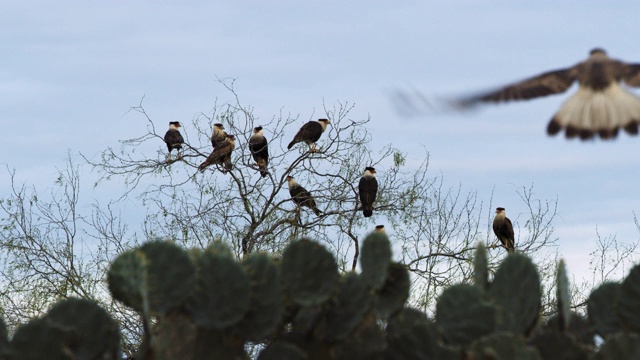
x=309, y=272
x=463, y=315
x=266, y=307
x=346, y=309
x=502, y=346
x=601, y=309
x=629, y=300
x=480, y=268
x=563, y=298
x=222, y=293
x=394, y=293
x=375, y=259
x=516, y=292
x=410, y=335
x=127, y=278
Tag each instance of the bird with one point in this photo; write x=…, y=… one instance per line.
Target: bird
x=600, y=106
x=301, y=196
x=218, y=135
x=368, y=189
x=310, y=133
x=380, y=229
x=173, y=138
x=221, y=155
x=259, y=150
x=503, y=229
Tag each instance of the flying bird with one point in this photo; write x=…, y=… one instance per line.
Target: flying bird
x=504, y=230
x=173, y=138
x=380, y=229
x=259, y=150
x=600, y=106
x=301, y=196
x=310, y=133
x=368, y=189
x=221, y=155
x=218, y=135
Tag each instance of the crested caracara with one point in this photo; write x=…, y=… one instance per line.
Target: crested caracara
x=310, y=133
x=259, y=150
x=301, y=196
x=599, y=107
x=218, y=135
x=368, y=189
x=173, y=138
x=503, y=229
x=380, y=229
x=221, y=155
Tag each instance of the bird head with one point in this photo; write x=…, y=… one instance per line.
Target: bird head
x=380, y=229
x=257, y=129
x=218, y=126
x=499, y=210
x=370, y=170
x=174, y=125
x=597, y=51
x=324, y=123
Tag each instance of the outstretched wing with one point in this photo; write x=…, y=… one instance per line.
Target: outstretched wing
x=631, y=74
x=552, y=82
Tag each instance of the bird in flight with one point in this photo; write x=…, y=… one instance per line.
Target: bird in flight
x=310, y=133
x=601, y=106
x=503, y=229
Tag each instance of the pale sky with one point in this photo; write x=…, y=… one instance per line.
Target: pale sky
x=69, y=72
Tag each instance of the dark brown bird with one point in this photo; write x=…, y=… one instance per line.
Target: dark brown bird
x=218, y=135
x=173, y=138
x=600, y=106
x=368, y=189
x=259, y=148
x=301, y=196
x=310, y=133
x=221, y=155
x=503, y=229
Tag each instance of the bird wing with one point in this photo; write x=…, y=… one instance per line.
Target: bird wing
x=259, y=148
x=224, y=148
x=309, y=131
x=172, y=137
x=551, y=82
x=368, y=189
x=631, y=74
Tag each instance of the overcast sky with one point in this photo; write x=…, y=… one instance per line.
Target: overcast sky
x=69, y=71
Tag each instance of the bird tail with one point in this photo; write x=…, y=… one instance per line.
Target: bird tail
x=317, y=211
x=367, y=212
x=228, y=166
x=203, y=166
x=590, y=113
x=263, y=171
x=511, y=248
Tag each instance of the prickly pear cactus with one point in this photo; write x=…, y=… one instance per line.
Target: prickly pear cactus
x=309, y=272
x=601, y=308
x=222, y=293
x=628, y=304
x=463, y=315
x=516, y=292
x=375, y=260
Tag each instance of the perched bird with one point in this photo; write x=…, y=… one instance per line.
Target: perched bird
x=173, y=138
x=221, y=155
x=301, y=196
x=504, y=230
x=380, y=229
x=600, y=106
x=310, y=133
x=368, y=189
x=218, y=135
x=259, y=150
